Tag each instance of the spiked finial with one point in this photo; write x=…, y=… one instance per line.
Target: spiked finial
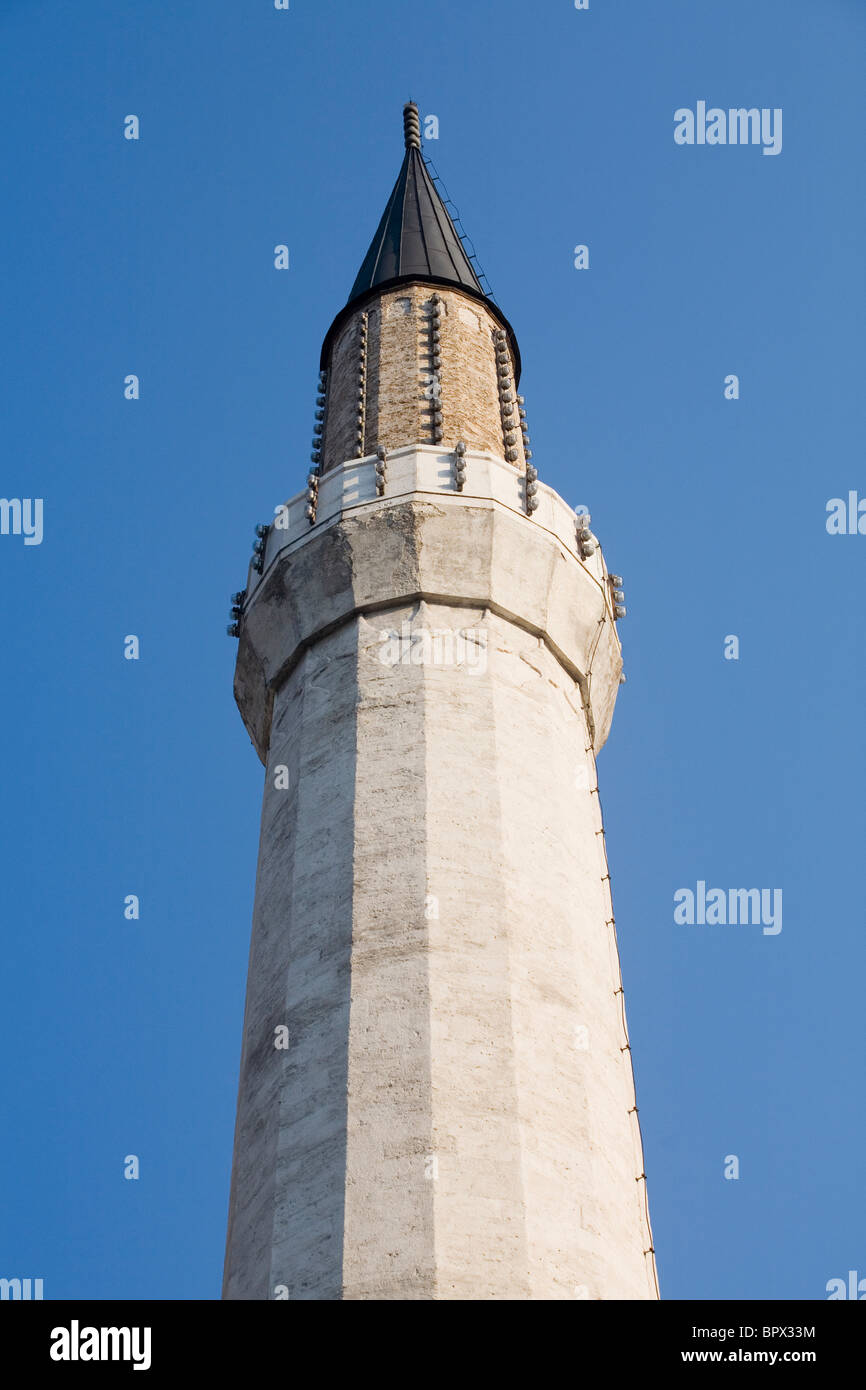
x=411, y=126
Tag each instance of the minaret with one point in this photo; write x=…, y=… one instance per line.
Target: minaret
x=436, y=1095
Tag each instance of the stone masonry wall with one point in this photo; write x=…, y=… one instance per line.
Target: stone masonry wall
x=398, y=396
x=451, y=1119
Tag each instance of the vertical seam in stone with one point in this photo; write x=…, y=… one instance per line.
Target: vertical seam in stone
x=500, y=763
x=287, y=870
x=419, y=611
x=417, y=1200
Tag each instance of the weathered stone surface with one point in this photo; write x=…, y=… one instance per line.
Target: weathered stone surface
x=474, y=553
x=453, y=1118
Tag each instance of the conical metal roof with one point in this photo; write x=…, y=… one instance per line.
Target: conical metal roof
x=416, y=239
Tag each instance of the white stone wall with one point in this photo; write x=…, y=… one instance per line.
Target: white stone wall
x=418, y=471
x=451, y=1119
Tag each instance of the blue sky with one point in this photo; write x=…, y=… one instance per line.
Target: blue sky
x=155, y=257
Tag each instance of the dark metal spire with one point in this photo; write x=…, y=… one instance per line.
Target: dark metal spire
x=416, y=239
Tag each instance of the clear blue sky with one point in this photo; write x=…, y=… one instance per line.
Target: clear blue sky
x=556, y=128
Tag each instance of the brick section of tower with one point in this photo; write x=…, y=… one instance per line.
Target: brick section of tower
x=400, y=371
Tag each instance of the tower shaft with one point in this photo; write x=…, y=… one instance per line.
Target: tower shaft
x=454, y=1114
x=436, y=1096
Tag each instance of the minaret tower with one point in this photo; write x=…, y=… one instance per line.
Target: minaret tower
x=436, y=1096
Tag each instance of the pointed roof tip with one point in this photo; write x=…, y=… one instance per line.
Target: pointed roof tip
x=416, y=240
x=411, y=126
